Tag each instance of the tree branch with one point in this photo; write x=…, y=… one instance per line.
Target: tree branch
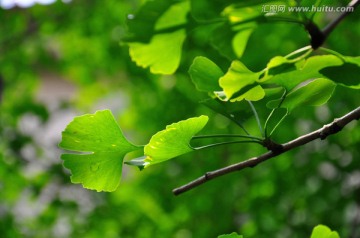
x=321, y=133
x=318, y=36
x=331, y=26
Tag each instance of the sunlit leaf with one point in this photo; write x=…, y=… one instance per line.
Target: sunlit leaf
x=205, y=74
x=241, y=83
x=163, y=53
x=314, y=93
x=232, y=235
x=303, y=71
x=171, y=142
x=321, y=231
x=102, y=148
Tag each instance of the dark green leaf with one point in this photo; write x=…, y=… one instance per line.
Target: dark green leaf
x=231, y=41
x=205, y=74
x=347, y=74
x=238, y=112
x=141, y=26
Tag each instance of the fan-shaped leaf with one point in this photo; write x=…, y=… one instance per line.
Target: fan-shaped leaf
x=314, y=93
x=321, y=231
x=241, y=83
x=205, y=74
x=103, y=147
x=347, y=74
x=162, y=54
x=171, y=142
x=232, y=235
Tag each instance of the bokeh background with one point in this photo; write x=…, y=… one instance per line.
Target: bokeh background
x=64, y=58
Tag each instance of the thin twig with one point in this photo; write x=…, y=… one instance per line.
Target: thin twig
x=331, y=26
x=318, y=36
x=321, y=133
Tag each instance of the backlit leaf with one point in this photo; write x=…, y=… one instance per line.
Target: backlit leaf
x=205, y=74
x=303, y=71
x=171, y=142
x=314, y=93
x=102, y=148
x=162, y=54
x=241, y=83
x=321, y=231
x=232, y=235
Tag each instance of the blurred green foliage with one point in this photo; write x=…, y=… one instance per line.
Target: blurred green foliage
x=78, y=43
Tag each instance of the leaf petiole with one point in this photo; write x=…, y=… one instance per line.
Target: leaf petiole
x=333, y=53
x=308, y=50
x=227, y=143
x=227, y=135
x=281, y=120
x=257, y=117
x=271, y=114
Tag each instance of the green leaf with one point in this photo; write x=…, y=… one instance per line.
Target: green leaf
x=231, y=41
x=171, y=142
x=347, y=74
x=321, y=231
x=314, y=93
x=213, y=9
x=240, y=83
x=205, y=74
x=141, y=26
x=238, y=112
x=162, y=54
x=289, y=78
x=103, y=147
x=232, y=235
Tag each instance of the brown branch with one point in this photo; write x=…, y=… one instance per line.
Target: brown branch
x=321, y=133
x=331, y=26
x=318, y=36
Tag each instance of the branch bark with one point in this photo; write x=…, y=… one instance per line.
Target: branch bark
x=322, y=133
x=318, y=36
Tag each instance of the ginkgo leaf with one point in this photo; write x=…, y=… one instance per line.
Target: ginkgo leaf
x=163, y=53
x=205, y=74
x=103, y=147
x=141, y=26
x=321, y=231
x=292, y=77
x=171, y=142
x=241, y=83
x=232, y=235
x=347, y=74
x=314, y=93
x=231, y=41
